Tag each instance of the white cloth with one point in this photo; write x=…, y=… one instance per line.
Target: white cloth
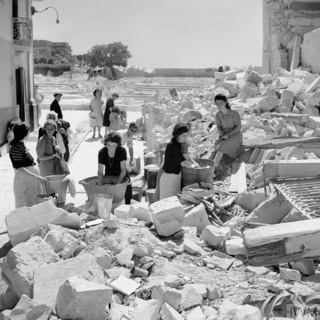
x=170, y=185
x=60, y=143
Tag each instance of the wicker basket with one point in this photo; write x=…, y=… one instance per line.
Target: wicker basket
x=116, y=190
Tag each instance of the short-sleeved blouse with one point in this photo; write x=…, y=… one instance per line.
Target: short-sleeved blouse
x=173, y=157
x=20, y=157
x=112, y=165
x=227, y=122
x=45, y=145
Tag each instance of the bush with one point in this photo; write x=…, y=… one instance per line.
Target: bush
x=56, y=69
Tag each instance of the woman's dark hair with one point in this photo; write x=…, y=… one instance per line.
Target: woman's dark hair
x=115, y=95
x=116, y=110
x=113, y=137
x=179, y=129
x=95, y=92
x=20, y=131
x=222, y=97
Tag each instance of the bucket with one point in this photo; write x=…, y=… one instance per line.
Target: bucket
x=55, y=184
x=200, y=174
x=40, y=198
x=152, y=177
x=151, y=196
x=100, y=204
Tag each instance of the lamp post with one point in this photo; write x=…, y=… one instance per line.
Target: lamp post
x=33, y=11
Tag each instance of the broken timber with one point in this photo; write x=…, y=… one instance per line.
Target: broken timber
x=282, y=243
x=279, y=143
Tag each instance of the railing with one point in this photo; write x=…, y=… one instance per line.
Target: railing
x=22, y=31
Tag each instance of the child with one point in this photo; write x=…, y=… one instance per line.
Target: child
x=123, y=120
x=115, y=119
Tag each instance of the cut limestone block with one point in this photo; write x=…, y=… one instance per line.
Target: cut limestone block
x=102, y=257
x=122, y=212
x=146, y=309
x=79, y=298
x=56, y=274
x=143, y=250
x=214, y=236
x=59, y=239
x=230, y=310
x=234, y=246
x=140, y=212
x=174, y=281
x=197, y=217
x=27, y=309
x=290, y=274
x=214, y=292
x=200, y=288
x=169, y=295
x=19, y=264
x=167, y=215
x=306, y=267
x=190, y=298
x=191, y=247
x=282, y=243
x=250, y=200
x=221, y=263
x=125, y=256
x=168, y=313
x=254, y=77
x=23, y=222
x=196, y=313
x=124, y=285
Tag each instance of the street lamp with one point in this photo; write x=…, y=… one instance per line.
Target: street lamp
x=33, y=11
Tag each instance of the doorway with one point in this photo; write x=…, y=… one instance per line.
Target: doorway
x=20, y=92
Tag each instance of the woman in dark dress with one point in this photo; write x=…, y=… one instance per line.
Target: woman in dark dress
x=112, y=163
x=107, y=112
x=27, y=181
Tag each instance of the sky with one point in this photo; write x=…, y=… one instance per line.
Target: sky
x=159, y=33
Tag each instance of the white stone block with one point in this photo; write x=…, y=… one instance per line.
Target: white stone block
x=125, y=256
x=143, y=250
x=79, y=298
x=214, y=292
x=191, y=247
x=190, y=298
x=122, y=212
x=140, y=212
x=196, y=313
x=169, y=295
x=168, y=313
x=290, y=274
x=124, y=285
x=174, y=281
x=19, y=264
x=197, y=217
x=167, y=216
x=214, y=236
x=230, y=310
x=200, y=288
x=235, y=246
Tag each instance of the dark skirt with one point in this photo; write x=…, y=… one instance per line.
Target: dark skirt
x=106, y=120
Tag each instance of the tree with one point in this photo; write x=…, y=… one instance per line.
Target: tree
x=110, y=55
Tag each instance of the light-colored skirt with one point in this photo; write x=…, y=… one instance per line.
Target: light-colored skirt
x=25, y=187
x=170, y=185
x=231, y=146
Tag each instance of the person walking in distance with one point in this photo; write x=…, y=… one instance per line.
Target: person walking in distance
x=55, y=106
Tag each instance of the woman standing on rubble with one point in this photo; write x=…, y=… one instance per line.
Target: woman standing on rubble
x=27, y=181
x=229, y=126
x=170, y=181
x=112, y=161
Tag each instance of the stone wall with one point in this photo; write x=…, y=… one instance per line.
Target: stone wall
x=285, y=21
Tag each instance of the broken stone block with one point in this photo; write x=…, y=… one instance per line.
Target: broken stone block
x=190, y=297
x=143, y=250
x=122, y=212
x=173, y=281
x=200, y=288
x=214, y=292
x=209, y=312
x=8, y=300
x=197, y=217
x=58, y=239
x=214, y=236
x=234, y=246
x=295, y=215
x=79, y=298
x=268, y=103
x=191, y=247
x=102, y=257
x=57, y=273
x=146, y=259
x=119, y=312
x=145, y=309
x=168, y=313
x=18, y=266
x=140, y=212
x=125, y=256
x=168, y=254
x=306, y=267
x=27, y=309
x=250, y=200
x=290, y=274
x=168, y=216
x=196, y=313
x=258, y=270
x=228, y=75
x=230, y=310
x=113, y=223
x=124, y=285
x=168, y=295
x=254, y=77
x=221, y=263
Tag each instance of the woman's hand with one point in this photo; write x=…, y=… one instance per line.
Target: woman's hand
x=225, y=137
x=42, y=180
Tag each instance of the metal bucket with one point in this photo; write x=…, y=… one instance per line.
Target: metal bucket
x=100, y=204
x=55, y=184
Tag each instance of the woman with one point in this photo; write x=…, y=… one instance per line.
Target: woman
x=115, y=119
x=229, y=126
x=27, y=181
x=170, y=181
x=96, y=109
x=61, y=134
x=46, y=149
x=107, y=112
x=112, y=162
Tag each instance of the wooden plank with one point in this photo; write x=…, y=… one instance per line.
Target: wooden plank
x=282, y=243
x=279, y=143
x=238, y=183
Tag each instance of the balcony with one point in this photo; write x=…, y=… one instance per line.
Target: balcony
x=22, y=32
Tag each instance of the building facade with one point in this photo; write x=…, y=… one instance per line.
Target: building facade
x=49, y=49
x=285, y=24
x=16, y=66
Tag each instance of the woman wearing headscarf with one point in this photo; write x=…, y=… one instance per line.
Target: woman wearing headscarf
x=228, y=123
x=46, y=149
x=27, y=181
x=170, y=181
x=112, y=161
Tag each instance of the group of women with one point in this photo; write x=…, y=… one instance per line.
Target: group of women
x=112, y=157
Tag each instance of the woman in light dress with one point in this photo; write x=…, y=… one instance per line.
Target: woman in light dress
x=96, y=115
